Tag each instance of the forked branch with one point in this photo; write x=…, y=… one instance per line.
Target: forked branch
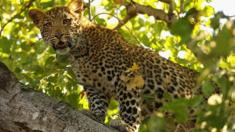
x=134, y=8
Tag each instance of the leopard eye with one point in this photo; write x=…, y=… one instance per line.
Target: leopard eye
x=67, y=21
x=47, y=24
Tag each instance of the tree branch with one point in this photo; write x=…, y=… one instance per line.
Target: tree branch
x=133, y=9
x=28, y=110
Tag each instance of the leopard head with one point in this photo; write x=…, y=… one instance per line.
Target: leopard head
x=58, y=26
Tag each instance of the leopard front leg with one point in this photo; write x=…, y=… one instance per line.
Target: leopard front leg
x=98, y=103
x=130, y=112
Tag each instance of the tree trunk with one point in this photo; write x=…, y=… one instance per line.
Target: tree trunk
x=25, y=110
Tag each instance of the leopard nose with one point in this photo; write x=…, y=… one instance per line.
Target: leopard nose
x=58, y=35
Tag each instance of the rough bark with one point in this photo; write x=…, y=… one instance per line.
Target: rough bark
x=25, y=110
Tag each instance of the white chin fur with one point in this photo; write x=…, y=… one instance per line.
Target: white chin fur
x=63, y=51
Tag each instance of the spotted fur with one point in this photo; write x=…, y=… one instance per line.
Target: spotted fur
x=100, y=56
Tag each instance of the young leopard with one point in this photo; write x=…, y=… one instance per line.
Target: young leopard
x=101, y=60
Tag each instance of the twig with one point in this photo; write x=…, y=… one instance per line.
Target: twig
x=171, y=7
x=89, y=9
x=119, y=23
x=105, y=14
x=14, y=16
x=177, y=129
x=134, y=36
x=181, y=6
x=166, y=1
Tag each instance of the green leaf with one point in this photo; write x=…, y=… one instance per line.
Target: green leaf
x=183, y=28
x=5, y=45
x=73, y=99
x=207, y=88
x=179, y=109
x=223, y=45
x=215, y=21
x=207, y=11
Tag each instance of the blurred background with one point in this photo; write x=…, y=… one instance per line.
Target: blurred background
x=202, y=38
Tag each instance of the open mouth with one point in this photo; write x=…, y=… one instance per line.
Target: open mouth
x=60, y=45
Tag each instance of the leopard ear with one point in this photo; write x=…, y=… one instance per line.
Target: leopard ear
x=37, y=16
x=76, y=6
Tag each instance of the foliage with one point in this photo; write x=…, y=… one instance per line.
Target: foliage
x=197, y=40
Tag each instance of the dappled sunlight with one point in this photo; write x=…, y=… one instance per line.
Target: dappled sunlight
x=197, y=37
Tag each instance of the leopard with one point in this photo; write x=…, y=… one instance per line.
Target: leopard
x=109, y=67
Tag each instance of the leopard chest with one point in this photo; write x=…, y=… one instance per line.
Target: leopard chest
x=95, y=75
